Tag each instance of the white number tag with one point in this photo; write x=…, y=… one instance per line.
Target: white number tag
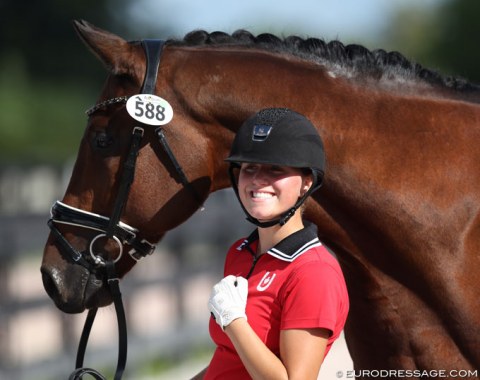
x=149, y=109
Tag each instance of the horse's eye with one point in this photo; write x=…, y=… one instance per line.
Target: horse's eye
x=102, y=140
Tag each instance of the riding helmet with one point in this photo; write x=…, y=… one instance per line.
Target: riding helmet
x=278, y=136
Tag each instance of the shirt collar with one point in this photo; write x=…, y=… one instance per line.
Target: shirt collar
x=290, y=248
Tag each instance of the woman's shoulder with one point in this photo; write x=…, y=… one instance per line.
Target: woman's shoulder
x=319, y=253
x=318, y=259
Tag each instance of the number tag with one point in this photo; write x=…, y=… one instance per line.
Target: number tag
x=149, y=109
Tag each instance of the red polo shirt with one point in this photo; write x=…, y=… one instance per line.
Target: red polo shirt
x=296, y=284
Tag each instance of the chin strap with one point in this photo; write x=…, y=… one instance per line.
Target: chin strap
x=286, y=215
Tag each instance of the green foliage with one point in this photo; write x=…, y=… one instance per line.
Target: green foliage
x=41, y=33
x=443, y=38
x=457, y=40
x=47, y=78
x=40, y=121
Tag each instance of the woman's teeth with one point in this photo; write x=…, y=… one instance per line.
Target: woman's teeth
x=261, y=195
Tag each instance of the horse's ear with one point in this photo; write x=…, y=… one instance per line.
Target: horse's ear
x=112, y=50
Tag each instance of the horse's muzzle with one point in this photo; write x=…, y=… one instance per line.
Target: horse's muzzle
x=73, y=288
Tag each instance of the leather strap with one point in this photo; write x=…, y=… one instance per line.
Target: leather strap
x=153, y=51
x=178, y=168
x=80, y=371
x=126, y=181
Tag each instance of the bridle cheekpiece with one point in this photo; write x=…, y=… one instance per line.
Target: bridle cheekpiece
x=111, y=227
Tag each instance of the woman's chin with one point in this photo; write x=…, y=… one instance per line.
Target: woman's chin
x=264, y=218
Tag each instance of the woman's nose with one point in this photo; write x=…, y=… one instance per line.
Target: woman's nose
x=260, y=177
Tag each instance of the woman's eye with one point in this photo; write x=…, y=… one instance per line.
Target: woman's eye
x=249, y=169
x=103, y=140
x=276, y=170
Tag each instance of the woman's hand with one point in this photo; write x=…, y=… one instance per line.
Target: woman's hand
x=228, y=300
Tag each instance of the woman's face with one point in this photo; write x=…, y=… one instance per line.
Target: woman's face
x=266, y=191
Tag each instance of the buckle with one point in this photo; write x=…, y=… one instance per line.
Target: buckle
x=149, y=249
x=138, y=130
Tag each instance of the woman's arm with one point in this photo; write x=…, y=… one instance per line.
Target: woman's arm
x=301, y=350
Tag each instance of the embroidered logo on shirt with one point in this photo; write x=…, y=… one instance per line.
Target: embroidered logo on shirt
x=266, y=281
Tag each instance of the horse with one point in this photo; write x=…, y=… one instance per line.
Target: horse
x=400, y=203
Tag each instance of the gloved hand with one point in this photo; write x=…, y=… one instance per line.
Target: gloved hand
x=228, y=300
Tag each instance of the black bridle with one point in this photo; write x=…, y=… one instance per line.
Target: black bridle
x=111, y=228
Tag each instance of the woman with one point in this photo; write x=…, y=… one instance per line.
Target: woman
x=283, y=301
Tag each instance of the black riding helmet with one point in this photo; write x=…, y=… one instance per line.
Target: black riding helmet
x=278, y=136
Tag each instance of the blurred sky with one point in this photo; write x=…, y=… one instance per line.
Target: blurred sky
x=328, y=19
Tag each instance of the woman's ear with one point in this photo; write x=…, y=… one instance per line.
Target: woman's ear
x=306, y=184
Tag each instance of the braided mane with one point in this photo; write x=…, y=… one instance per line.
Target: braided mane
x=353, y=61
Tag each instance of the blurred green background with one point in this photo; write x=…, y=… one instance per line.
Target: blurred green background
x=47, y=77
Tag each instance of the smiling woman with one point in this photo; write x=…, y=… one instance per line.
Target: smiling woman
x=269, y=322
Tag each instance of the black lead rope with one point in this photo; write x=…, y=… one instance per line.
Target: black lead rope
x=80, y=371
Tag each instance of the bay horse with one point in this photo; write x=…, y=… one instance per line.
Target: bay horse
x=400, y=205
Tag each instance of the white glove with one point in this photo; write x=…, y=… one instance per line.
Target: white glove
x=228, y=300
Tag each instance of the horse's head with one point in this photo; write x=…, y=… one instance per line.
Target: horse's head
x=131, y=182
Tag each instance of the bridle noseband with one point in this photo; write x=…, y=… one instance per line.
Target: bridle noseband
x=122, y=234
x=111, y=228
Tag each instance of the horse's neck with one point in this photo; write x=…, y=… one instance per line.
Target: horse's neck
x=228, y=86
x=388, y=205
x=402, y=222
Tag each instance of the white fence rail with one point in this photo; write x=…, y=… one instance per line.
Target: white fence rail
x=165, y=295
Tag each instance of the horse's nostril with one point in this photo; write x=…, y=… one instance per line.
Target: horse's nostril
x=48, y=283
x=63, y=300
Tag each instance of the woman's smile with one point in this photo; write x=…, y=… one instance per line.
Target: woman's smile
x=261, y=195
x=266, y=191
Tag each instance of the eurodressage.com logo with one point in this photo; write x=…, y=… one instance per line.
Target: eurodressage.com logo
x=405, y=373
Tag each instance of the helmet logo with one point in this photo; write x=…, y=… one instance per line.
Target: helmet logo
x=261, y=132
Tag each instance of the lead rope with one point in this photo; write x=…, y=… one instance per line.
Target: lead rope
x=80, y=371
